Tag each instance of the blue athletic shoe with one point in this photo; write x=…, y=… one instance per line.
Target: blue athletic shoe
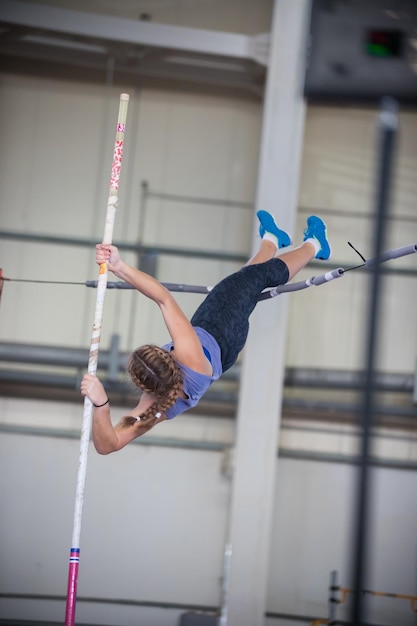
x=316, y=229
x=268, y=225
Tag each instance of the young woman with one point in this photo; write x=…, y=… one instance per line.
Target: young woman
x=175, y=376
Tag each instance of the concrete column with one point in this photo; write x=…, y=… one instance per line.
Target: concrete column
x=255, y=455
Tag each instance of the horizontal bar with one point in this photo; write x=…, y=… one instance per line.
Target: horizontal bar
x=179, y=287
x=117, y=601
x=275, y=291
x=212, y=446
x=64, y=356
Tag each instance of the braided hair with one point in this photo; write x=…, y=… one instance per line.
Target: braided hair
x=156, y=372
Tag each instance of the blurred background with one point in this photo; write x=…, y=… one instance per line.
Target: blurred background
x=204, y=79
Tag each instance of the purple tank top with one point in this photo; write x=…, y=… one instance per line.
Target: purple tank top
x=195, y=384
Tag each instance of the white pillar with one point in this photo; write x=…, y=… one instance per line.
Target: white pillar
x=255, y=457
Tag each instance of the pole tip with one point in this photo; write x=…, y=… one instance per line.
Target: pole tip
x=124, y=96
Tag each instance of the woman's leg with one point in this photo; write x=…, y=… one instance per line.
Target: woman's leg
x=272, y=238
x=315, y=244
x=225, y=311
x=295, y=259
x=298, y=258
x=267, y=250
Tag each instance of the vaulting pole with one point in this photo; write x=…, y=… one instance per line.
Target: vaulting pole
x=92, y=364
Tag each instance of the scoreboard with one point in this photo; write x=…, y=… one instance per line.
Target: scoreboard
x=362, y=50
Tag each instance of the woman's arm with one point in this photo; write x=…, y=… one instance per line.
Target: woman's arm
x=106, y=437
x=188, y=349
x=147, y=285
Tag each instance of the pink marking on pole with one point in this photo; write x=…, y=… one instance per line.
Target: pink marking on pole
x=72, y=587
x=121, y=128
x=117, y=163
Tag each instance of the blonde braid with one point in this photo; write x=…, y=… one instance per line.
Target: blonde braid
x=156, y=372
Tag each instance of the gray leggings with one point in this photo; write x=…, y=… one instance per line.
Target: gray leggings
x=225, y=311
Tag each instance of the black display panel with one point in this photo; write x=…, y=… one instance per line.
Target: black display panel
x=362, y=50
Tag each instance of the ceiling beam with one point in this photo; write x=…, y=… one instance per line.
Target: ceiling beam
x=113, y=29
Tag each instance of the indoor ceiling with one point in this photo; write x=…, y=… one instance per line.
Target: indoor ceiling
x=37, y=38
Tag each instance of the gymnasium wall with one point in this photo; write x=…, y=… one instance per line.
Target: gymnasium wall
x=55, y=177
x=156, y=517
x=156, y=514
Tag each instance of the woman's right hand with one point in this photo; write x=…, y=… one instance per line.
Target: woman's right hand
x=105, y=253
x=92, y=387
